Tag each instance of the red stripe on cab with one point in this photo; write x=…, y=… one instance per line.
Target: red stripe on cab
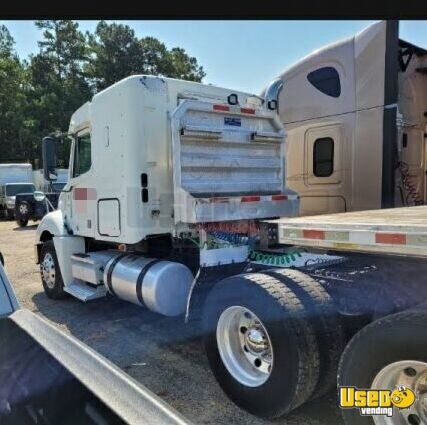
x=279, y=198
x=221, y=108
x=80, y=194
x=84, y=194
x=218, y=200
x=250, y=199
x=247, y=111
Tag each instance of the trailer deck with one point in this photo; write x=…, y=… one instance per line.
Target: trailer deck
x=399, y=231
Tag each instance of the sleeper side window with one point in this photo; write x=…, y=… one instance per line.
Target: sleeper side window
x=82, y=155
x=326, y=80
x=323, y=157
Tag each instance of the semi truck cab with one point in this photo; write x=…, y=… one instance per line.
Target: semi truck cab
x=355, y=115
x=176, y=202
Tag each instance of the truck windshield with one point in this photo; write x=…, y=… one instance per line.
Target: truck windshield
x=14, y=189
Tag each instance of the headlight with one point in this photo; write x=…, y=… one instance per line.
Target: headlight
x=10, y=204
x=39, y=196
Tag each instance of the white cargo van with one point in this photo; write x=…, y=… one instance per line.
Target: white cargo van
x=14, y=179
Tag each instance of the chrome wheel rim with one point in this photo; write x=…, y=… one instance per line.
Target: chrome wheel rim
x=410, y=374
x=244, y=346
x=48, y=270
x=23, y=209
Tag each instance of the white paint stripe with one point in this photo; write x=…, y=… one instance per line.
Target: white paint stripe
x=362, y=238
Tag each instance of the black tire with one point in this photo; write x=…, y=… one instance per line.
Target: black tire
x=23, y=216
x=55, y=291
x=22, y=222
x=401, y=336
x=296, y=357
x=325, y=321
x=7, y=214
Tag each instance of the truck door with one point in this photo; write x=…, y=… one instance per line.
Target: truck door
x=323, y=170
x=82, y=195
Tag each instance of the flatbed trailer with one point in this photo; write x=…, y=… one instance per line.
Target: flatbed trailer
x=381, y=284
x=398, y=231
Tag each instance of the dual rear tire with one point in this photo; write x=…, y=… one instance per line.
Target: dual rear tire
x=267, y=339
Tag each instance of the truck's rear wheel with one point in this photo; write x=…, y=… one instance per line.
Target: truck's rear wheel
x=389, y=352
x=7, y=214
x=260, y=345
x=325, y=320
x=50, y=273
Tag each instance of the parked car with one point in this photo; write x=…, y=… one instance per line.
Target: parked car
x=8, y=194
x=48, y=377
x=34, y=206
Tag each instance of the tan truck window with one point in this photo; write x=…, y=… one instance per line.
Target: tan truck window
x=323, y=157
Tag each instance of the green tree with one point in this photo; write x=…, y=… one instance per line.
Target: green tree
x=116, y=53
x=183, y=66
x=12, y=102
x=58, y=83
x=6, y=43
x=63, y=46
x=38, y=95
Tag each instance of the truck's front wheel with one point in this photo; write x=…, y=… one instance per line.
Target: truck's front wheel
x=53, y=284
x=260, y=345
x=389, y=353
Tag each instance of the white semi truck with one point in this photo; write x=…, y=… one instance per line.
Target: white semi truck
x=175, y=202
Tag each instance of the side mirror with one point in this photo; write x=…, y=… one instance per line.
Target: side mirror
x=49, y=158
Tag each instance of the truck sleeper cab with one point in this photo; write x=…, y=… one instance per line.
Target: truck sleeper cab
x=355, y=115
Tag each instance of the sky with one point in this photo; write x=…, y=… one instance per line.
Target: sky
x=242, y=55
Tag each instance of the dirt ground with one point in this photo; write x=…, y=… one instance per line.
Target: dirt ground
x=162, y=353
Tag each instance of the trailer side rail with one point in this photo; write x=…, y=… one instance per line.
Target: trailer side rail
x=399, y=231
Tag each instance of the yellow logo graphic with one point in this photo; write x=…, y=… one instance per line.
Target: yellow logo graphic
x=403, y=397
x=376, y=402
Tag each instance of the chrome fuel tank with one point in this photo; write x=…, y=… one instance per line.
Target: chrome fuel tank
x=162, y=286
